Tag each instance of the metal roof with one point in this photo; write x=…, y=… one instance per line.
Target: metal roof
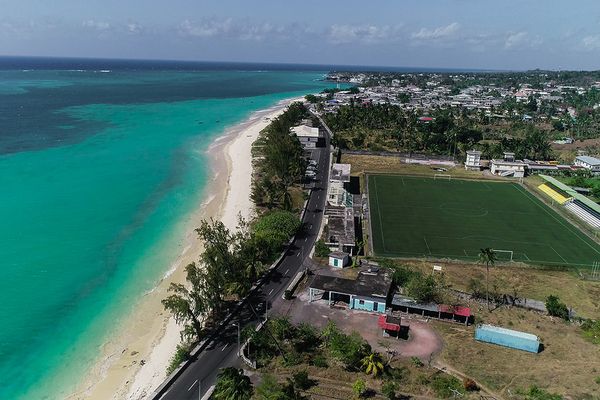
x=572, y=192
x=369, y=285
x=589, y=160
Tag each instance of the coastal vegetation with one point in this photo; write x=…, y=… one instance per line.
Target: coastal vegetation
x=232, y=384
x=301, y=360
x=278, y=160
x=232, y=260
x=228, y=266
x=387, y=127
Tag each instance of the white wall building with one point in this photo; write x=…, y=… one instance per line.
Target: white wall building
x=587, y=162
x=473, y=160
x=508, y=168
x=307, y=135
x=340, y=175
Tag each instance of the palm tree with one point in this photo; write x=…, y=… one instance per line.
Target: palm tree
x=232, y=384
x=372, y=364
x=487, y=256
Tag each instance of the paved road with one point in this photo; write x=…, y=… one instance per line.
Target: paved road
x=222, y=351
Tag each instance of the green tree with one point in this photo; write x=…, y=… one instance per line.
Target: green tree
x=187, y=304
x=488, y=257
x=422, y=288
x=372, y=364
x=232, y=384
x=389, y=390
x=321, y=249
x=556, y=308
x=359, y=387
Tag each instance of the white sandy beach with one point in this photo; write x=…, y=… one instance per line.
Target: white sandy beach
x=135, y=359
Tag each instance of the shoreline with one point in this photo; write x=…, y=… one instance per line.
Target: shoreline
x=134, y=358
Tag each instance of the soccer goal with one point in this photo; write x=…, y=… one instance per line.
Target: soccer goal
x=442, y=176
x=503, y=255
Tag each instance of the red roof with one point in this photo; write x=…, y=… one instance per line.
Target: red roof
x=456, y=310
x=383, y=324
x=426, y=119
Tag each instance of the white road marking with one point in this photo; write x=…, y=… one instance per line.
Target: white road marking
x=286, y=271
x=224, y=347
x=271, y=291
x=196, y=381
x=297, y=254
x=305, y=239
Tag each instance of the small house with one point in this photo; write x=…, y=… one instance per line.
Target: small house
x=338, y=259
x=587, y=162
x=368, y=292
x=473, y=161
x=308, y=136
x=508, y=168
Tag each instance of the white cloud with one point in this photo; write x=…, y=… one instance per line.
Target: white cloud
x=441, y=32
x=344, y=34
x=244, y=30
x=97, y=25
x=134, y=28
x=206, y=28
x=515, y=39
x=591, y=42
x=521, y=39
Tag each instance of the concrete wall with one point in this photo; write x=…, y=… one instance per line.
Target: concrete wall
x=368, y=304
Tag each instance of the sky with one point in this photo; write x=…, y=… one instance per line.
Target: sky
x=479, y=34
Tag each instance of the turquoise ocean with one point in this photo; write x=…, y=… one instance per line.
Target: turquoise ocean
x=101, y=164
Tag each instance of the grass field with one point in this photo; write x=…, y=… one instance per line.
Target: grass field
x=423, y=217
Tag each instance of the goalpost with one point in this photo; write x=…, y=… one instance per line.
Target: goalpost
x=442, y=176
x=504, y=255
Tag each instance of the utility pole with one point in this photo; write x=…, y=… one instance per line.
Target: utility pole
x=266, y=310
x=239, y=339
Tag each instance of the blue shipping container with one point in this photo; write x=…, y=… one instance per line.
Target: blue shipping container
x=508, y=337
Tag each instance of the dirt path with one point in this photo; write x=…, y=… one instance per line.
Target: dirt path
x=422, y=340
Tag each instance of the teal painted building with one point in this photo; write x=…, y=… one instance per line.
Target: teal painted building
x=368, y=292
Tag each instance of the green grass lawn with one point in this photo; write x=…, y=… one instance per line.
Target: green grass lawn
x=423, y=217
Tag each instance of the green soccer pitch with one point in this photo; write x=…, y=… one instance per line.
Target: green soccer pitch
x=424, y=217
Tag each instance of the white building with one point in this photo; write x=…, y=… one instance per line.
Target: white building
x=508, y=168
x=307, y=135
x=340, y=175
x=338, y=259
x=587, y=162
x=473, y=160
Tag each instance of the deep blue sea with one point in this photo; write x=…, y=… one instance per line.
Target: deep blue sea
x=100, y=164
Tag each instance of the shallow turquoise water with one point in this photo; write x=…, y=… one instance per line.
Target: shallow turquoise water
x=92, y=219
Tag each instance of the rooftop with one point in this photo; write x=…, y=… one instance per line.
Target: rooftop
x=589, y=160
x=340, y=172
x=369, y=284
x=305, y=131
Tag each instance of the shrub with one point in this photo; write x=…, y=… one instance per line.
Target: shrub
x=422, y=288
x=470, y=385
x=416, y=361
x=359, y=387
x=476, y=288
x=444, y=385
x=182, y=353
x=556, y=308
x=423, y=379
x=321, y=249
x=287, y=294
x=591, y=331
x=301, y=380
x=389, y=390
x=535, y=393
x=319, y=361
x=597, y=380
